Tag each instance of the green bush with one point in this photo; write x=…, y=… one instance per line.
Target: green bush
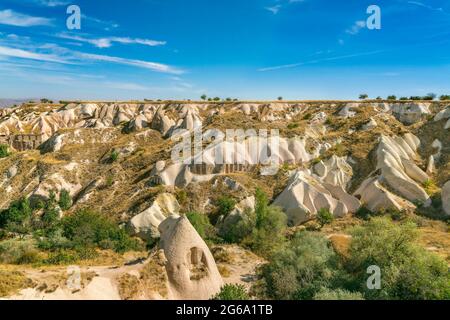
x=4, y=151
x=225, y=205
x=408, y=270
x=17, y=218
x=89, y=229
x=232, y=292
x=337, y=294
x=324, y=216
x=114, y=156
x=18, y=252
x=201, y=223
x=65, y=200
x=270, y=224
x=301, y=269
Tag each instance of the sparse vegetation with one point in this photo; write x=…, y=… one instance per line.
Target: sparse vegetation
x=4, y=151
x=363, y=96
x=324, y=216
x=232, y=292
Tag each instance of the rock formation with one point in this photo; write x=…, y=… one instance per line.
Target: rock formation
x=446, y=198
x=191, y=269
x=145, y=224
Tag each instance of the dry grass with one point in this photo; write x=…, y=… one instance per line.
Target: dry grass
x=12, y=281
x=128, y=286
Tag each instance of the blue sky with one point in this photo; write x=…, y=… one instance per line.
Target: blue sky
x=246, y=49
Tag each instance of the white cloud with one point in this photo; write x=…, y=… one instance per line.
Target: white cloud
x=420, y=4
x=293, y=65
x=52, y=3
x=158, y=67
x=13, y=18
x=275, y=9
x=23, y=54
x=356, y=27
x=66, y=56
x=107, y=42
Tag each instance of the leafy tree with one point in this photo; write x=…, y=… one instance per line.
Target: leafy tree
x=392, y=97
x=408, y=270
x=225, y=205
x=4, y=151
x=86, y=228
x=444, y=97
x=324, y=216
x=65, y=200
x=201, y=223
x=19, y=213
x=203, y=97
x=431, y=96
x=280, y=98
x=301, y=269
x=363, y=96
x=216, y=99
x=232, y=292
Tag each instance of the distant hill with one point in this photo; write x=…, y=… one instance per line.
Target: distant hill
x=5, y=103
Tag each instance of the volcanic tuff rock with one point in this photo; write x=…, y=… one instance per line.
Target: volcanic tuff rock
x=446, y=198
x=146, y=223
x=191, y=269
x=331, y=155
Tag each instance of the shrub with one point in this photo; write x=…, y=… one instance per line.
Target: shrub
x=232, y=292
x=392, y=97
x=363, y=96
x=292, y=125
x=225, y=205
x=65, y=200
x=17, y=217
x=301, y=269
x=201, y=223
x=363, y=213
x=280, y=98
x=337, y=294
x=408, y=271
x=114, y=156
x=18, y=252
x=324, y=216
x=4, y=151
x=89, y=229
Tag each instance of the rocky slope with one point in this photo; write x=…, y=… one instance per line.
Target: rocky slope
x=115, y=158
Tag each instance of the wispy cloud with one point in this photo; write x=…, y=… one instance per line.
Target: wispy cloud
x=293, y=65
x=52, y=3
x=423, y=5
x=23, y=54
x=107, y=42
x=12, y=18
x=274, y=9
x=65, y=56
x=356, y=27
x=159, y=67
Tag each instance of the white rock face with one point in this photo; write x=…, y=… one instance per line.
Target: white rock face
x=378, y=198
x=395, y=156
x=370, y=125
x=446, y=198
x=335, y=171
x=305, y=195
x=411, y=112
x=191, y=270
x=145, y=224
x=348, y=110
